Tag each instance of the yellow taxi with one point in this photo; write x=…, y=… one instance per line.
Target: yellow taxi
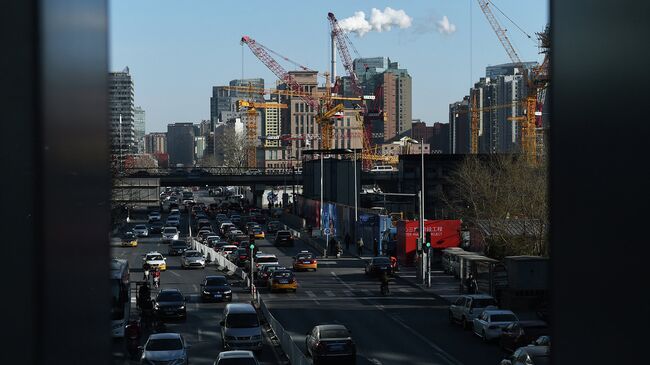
x=257, y=232
x=155, y=260
x=130, y=239
x=305, y=260
x=283, y=280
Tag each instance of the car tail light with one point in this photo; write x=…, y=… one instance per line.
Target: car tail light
x=292, y=281
x=314, y=261
x=242, y=257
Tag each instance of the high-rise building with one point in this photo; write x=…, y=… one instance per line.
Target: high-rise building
x=224, y=100
x=302, y=117
x=459, y=127
x=199, y=147
x=121, y=114
x=139, y=128
x=180, y=144
x=439, y=141
x=155, y=143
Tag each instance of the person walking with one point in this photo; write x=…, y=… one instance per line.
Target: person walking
x=470, y=283
x=375, y=247
x=332, y=246
x=347, y=241
x=360, y=246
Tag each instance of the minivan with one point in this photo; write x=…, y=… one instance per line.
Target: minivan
x=240, y=328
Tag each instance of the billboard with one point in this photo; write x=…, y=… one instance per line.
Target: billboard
x=444, y=234
x=329, y=219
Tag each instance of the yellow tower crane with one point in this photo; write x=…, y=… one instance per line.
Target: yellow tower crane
x=251, y=126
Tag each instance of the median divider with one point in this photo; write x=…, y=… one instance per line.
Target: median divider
x=289, y=347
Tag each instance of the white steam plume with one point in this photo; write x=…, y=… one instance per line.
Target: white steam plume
x=379, y=21
x=445, y=27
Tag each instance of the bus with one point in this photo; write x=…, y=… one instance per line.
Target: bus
x=120, y=296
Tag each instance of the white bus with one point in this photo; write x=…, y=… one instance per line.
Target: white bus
x=120, y=296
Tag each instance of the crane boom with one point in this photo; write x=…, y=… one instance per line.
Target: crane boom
x=501, y=33
x=261, y=53
x=341, y=45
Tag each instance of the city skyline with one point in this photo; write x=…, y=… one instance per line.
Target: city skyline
x=196, y=49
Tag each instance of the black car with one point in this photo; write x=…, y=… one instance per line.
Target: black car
x=177, y=247
x=331, y=342
x=156, y=227
x=273, y=226
x=216, y=288
x=170, y=303
x=378, y=265
x=283, y=238
x=522, y=333
x=242, y=257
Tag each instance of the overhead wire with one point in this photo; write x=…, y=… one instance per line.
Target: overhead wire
x=512, y=21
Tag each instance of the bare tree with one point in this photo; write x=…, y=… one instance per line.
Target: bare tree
x=232, y=146
x=506, y=197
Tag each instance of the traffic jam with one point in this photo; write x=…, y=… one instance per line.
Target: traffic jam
x=164, y=289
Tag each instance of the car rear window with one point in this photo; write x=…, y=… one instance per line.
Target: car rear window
x=216, y=281
x=193, y=254
x=482, y=303
x=284, y=234
x=154, y=258
x=502, y=318
x=169, y=297
x=282, y=274
x=266, y=259
x=334, y=333
x=305, y=256
x=164, y=344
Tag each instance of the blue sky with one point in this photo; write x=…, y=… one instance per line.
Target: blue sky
x=177, y=50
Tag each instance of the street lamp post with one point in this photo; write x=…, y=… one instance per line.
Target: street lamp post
x=424, y=254
x=356, y=192
x=121, y=161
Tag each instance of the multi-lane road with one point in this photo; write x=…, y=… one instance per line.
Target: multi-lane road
x=408, y=327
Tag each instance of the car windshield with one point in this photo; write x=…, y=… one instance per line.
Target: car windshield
x=282, y=274
x=334, y=333
x=194, y=254
x=154, y=257
x=169, y=297
x=267, y=259
x=170, y=230
x=238, y=361
x=380, y=260
x=164, y=344
x=284, y=234
x=216, y=281
x=242, y=320
x=502, y=318
x=140, y=226
x=482, y=303
x=304, y=256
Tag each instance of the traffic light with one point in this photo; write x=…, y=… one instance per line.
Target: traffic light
x=428, y=239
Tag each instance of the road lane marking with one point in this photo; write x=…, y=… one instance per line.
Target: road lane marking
x=329, y=293
x=310, y=293
x=347, y=293
x=404, y=290
x=367, y=291
x=175, y=273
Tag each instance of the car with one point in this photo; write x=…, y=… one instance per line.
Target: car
x=210, y=239
x=165, y=348
x=153, y=217
x=273, y=226
x=242, y=238
x=522, y=333
x=378, y=265
x=223, y=228
x=283, y=280
x=256, y=232
x=240, y=328
x=236, y=357
x=529, y=355
x=156, y=227
x=155, y=260
x=241, y=257
x=226, y=250
x=170, y=233
x=264, y=258
x=250, y=225
x=305, y=260
x=192, y=259
x=491, y=322
x=170, y=303
x=283, y=237
x=173, y=222
x=174, y=211
x=141, y=230
x=201, y=231
x=264, y=273
x=177, y=247
x=204, y=223
x=235, y=218
x=129, y=239
x=216, y=287
x=331, y=342
x=468, y=307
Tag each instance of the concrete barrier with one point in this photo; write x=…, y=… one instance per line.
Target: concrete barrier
x=293, y=352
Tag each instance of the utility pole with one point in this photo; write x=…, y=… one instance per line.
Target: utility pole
x=422, y=206
x=321, y=192
x=121, y=162
x=356, y=192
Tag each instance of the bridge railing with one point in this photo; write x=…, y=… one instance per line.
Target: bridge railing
x=208, y=170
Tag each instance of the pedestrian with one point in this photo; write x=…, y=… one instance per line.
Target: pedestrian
x=145, y=271
x=347, y=241
x=470, y=283
x=375, y=247
x=360, y=246
x=332, y=246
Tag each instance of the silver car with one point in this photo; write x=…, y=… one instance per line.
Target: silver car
x=165, y=348
x=191, y=259
x=236, y=357
x=141, y=230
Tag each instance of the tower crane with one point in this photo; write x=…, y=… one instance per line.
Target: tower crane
x=528, y=135
x=263, y=55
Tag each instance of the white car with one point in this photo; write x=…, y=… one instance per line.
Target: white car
x=170, y=233
x=236, y=357
x=191, y=259
x=165, y=348
x=468, y=307
x=141, y=230
x=155, y=260
x=491, y=322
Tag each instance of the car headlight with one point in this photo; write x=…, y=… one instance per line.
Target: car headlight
x=227, y=291
x=206, y=292
x=256, y=337
x=157, y=306
x=182, y=307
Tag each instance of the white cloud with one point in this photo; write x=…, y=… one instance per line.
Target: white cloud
x=379, y=21
x=445, y=27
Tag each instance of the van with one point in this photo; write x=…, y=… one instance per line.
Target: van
x=240, y=328
x=383, y=168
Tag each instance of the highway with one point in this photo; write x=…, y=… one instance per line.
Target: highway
x=409, y=326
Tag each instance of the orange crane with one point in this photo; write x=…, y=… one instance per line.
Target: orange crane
x=251, y=125
x=528, y=134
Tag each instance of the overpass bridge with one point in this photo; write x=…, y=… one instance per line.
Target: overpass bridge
x=218, y=176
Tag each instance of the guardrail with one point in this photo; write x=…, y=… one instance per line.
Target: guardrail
x=293, y=352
